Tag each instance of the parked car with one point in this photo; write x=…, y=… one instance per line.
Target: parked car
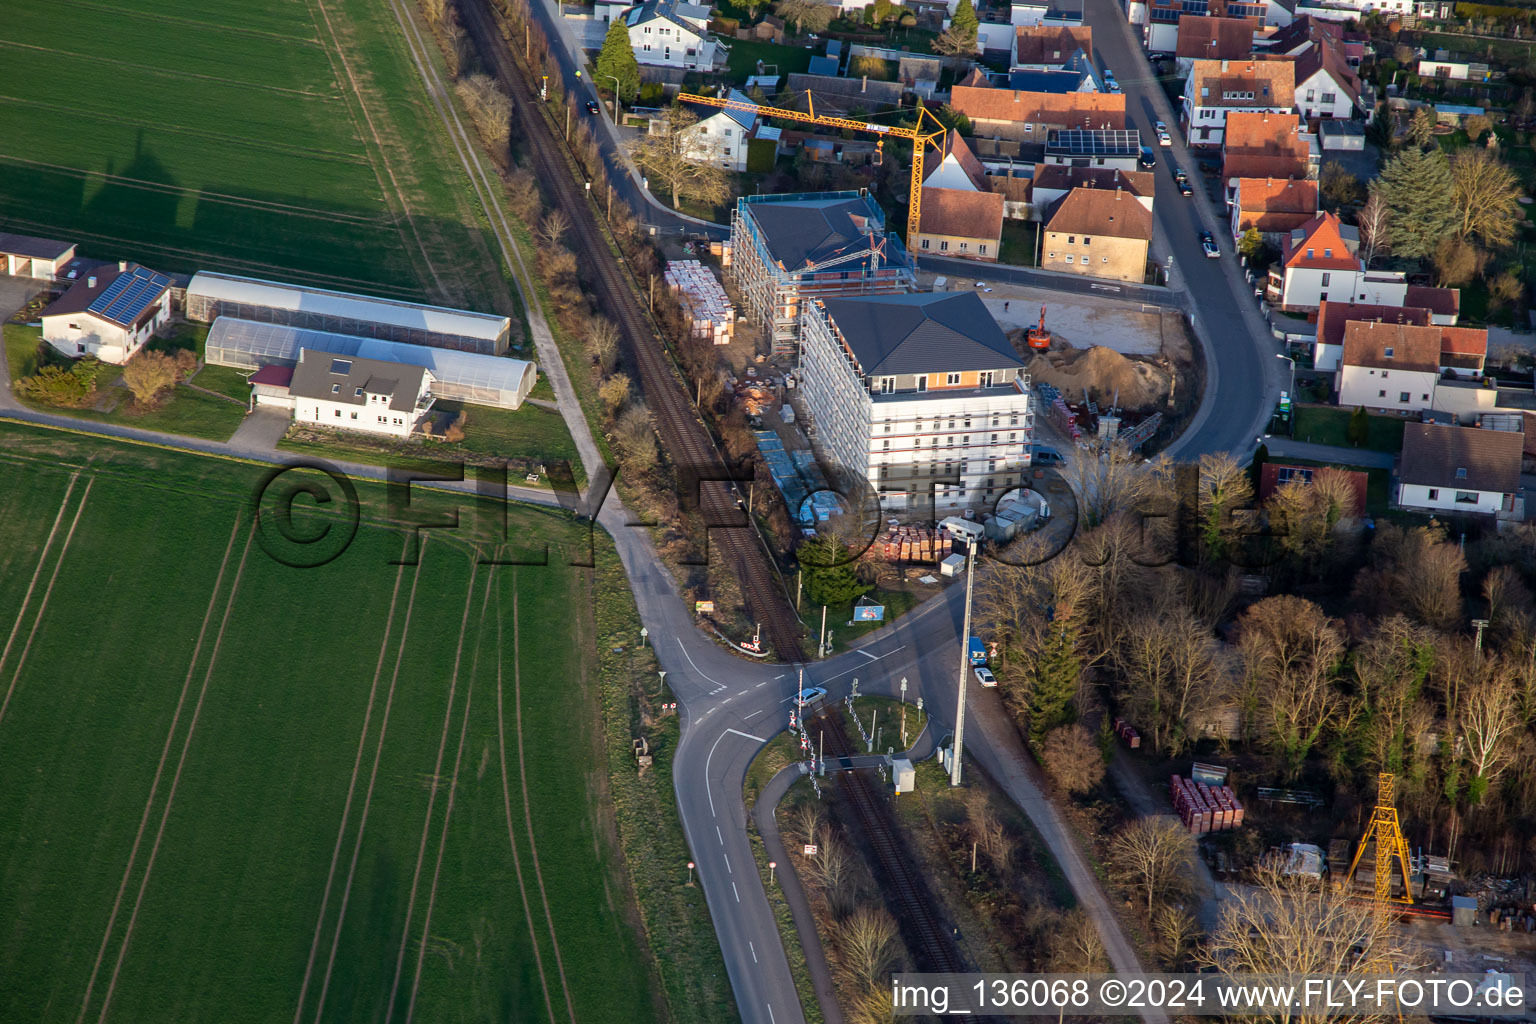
x=1160, y=55
x=1044, y=455
x=1208, y=243
x=1163, y=138
x=1182, y=184
x=810, y=694
x=1148, y=159
x=985, y=677
x=593, y=108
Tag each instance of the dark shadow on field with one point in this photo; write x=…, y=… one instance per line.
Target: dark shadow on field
x=154, y=209
x=370, y=942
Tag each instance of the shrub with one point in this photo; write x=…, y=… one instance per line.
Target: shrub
x=65, y=386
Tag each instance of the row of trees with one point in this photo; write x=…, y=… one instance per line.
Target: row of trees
x=1373, y=669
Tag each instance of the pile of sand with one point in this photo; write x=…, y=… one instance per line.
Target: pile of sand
x=1103, y=372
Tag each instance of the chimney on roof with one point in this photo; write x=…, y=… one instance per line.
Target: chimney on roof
x=90, y=282
x=122, y=265
x=1118, y=190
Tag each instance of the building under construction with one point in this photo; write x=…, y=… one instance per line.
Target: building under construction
x=787, y=250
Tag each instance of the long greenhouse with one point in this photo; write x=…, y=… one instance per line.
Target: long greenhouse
x=460, y=376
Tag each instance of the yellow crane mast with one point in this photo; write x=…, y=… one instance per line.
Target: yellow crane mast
x=922, y=137
x=1384, y=829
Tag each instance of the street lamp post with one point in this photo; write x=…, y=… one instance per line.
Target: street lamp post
x=965, y=665
x=1290, y=424
x=615, y=79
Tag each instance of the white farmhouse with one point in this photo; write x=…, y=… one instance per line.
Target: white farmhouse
x=1389, y=366
x=1326, y=86
x=1461, y=469
x=667, y=33
x=353, y=393
x=110, y=314
x=721, y=135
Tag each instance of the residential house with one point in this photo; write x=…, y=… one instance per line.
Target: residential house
x=1027, y=116
x=1216, y=88
x=1051, y=182
x=110, y=313
x=1261, y=144
x=959, y=215
x=842, y=95
x=721, y=135
x=1394, y=367
x=1162, y=21
x=671, y=34
x=353, y=393
x=1326, y=86
x=1307, y=32
x=1014, y=183
x=1273, y=206
x=789, y=249
x=1077, y=75
x=1100, y=233
x=1275, y=475
x=1049, y=47
x=1202, y=37
x=1454, y=70
x=1460, y=469
x=1093, y=147
x=1463, y=352
x=1319, y=260
x=1444, y=304
x=1334, y=316
x=40, y=258
x=922, y=395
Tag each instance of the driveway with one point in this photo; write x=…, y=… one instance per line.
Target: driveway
x=14, y=293
x=262, y=429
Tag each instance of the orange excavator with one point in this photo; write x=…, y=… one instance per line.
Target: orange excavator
x=1039, y=337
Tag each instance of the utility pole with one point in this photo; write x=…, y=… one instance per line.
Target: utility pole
x=821, y=645
x=965, y=664
x=1477, y=645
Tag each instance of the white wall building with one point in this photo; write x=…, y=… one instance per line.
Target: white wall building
x=721, y=136
x=26, y=256
x=1461, y=469
x=671, y=34
x=353, y=393
x=922, y=395
x=1389, y=366
x=1215, y=88
x=110, y=314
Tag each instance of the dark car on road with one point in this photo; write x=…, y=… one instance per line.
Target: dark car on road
x=592, y=107
x=1147, y=159
x=1181, y=182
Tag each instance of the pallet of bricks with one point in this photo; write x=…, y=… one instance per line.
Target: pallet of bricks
x=711, y=314
x=1127, y=733
x=1204, y=808
x=910, y=544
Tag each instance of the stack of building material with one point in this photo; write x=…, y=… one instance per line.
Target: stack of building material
x=1063, y=418
x=721, y=250
x=911, y=544
x=711, y=313
x=1127, y=733
x=1205, y=808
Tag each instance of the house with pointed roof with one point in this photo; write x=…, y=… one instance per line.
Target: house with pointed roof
x=109, y=314
x=1461, y=469
x=1100, y=233
x=1047, y=47
x=960, y=215
x=1389, y=366
x=1319, y=261
x=1326, y=86
x=670, y=33
x=1334, y=316
x=1078, y=74
x=1215, y=88
x=1051, y=182
x=1023, y=116
x=1261, y=144
x=721, y=135
x=922, y=395
x=1272, y=206
x=1203, y=37
x=371, y=396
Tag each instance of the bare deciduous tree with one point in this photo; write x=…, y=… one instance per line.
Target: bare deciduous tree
x=1291, y=652
x=1177, y=933
x=1224, y=488
x=1153, y=856
x=1075, y=944
x=603, y=342
x=637, y=437
x=667, y=157
x=1375, y=229
x=1487, y=195
x=1171, y=672
x=866, y=945
x=1416, y=571
x=1390, y=665
x=1490, y=727
x=553, y=227
x=148, y=374
x=1073, y=759
x=614, y=392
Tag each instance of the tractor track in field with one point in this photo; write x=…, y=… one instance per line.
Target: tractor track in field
x=522, y=772
x=373, y=778
x=42, y=608
x=26, y=600
x=453, y=789
x=181, y=762
x=506, y=798
x=682, y=432
x=437, y=782
x=346, y=809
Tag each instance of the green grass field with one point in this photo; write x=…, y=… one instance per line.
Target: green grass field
x=1320, y=425
x=239, y=791
x=283, y=138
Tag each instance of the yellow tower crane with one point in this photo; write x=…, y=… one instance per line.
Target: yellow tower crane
x=1383, y=828
x=922, y=137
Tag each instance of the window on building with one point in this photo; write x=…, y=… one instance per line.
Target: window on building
x=338, y=414
x=1071, y=239
x=887, y=385
x=1310, y=253
x=727, y=133
x=1461, y=472
x=1387, y=352
x=335, y=389
x=1434, y=494
x=943, y=247
x=925, y=243
x=952, y=378
x=359, y=394
x=1381, y=394
x=1325, y=279
x=1423, y=398
x=885, y=445
x=1329, y=97
x=1051, y=255
x=1402, y=396
x=982, y=248
x=1087, y=240
x=964, y=246
x=1466, y=497
x=1104, y=259
x=1069, y=258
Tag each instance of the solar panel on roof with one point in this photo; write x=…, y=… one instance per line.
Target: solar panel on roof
x=129, y=295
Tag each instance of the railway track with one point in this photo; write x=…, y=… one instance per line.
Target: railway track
x=931, y=943
x=683, y=435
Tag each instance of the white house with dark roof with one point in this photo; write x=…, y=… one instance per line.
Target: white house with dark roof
x=668, y=33
x=354, y=393
x=721, y=135
x=26, y=256
x=1461, y=469
x=922, y=395
x=109, y=314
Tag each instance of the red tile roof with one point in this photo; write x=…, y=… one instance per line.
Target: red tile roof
x=1065, y=110
x=1275, y=204
x=1269, y=480
x=1099, y=211
x=1392, y=347
x=1324, y=242
x=1263, y=144
x=1440, y=301
x=1272, y=83
x=1333, y=317
x=1326, y=57
x=952, y=211
x=1065, y=177
x=1464, y=341
x=1208, y=38
x=1051, y=44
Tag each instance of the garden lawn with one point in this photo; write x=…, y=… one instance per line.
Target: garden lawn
x=1321, y=425
x=745, y=53
x=341, y=773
